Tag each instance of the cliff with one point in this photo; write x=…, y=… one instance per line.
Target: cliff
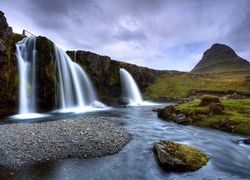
x=104, y=73
x=8, y=67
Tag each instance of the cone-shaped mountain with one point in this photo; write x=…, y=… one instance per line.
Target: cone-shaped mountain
x=222, y=60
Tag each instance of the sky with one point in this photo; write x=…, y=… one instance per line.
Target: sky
x=158, y=34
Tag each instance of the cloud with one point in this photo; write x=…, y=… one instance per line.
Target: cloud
x=161, y=34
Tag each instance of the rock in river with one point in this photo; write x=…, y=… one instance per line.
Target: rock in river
x=177, y=157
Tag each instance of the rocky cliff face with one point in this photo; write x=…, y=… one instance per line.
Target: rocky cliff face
x=104, y=73
x=221, y=60
x=8, y=78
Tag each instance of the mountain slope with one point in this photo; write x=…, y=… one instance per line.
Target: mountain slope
x=221, y=60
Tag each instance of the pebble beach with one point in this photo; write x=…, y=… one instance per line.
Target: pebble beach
x=24, y=144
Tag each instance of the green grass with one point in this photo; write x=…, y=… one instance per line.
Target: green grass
x=179, y=86
x=236, y=111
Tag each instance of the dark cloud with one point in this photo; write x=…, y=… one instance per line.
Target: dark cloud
x=165, y=32
x=239, y=35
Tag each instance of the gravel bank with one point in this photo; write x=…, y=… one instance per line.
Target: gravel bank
x=24, y=144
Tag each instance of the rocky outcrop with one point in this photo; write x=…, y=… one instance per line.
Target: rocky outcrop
x=167, y=112
x=215, y=108
x=177, y=157
x=208, y=99
x=171, y=113
x=8, y=68
x=225, y=125
x=222, y=60
x=5, y=34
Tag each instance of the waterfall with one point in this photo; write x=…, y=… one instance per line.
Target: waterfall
x=26, y=55
x=76, y=91
x=130, y=89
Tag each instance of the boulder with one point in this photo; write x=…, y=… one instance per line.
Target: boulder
x=246, y=141
x=207, y=99
x=167, y=112
x=177, y=157
x=215, y=108
x=181, y=118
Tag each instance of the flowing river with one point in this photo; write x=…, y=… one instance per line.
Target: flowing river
x=229, y=156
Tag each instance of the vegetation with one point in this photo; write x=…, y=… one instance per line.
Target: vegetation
x=179, y=85
x=235, y=118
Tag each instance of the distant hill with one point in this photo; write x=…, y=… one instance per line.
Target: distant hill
x=222, y=60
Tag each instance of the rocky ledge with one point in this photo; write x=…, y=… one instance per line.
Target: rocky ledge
x=25, y=144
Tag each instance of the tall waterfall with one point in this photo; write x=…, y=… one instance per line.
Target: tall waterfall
x=130, y=89
x=26, y=55
x=76, y=91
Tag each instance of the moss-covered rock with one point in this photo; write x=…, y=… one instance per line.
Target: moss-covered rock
x=208, y=99
x=167, y=113
x=46, y=73
x=178, y=157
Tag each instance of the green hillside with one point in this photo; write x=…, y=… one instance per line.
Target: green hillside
x=179, y=86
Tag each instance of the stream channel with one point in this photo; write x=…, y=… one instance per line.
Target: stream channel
x=229, y=156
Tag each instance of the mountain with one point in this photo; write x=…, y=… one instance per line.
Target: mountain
x=222, y=60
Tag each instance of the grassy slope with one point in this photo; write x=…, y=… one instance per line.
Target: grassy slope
x=237, y=111
x=178, y=86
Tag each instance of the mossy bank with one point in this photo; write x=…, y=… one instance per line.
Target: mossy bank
x=229, y=115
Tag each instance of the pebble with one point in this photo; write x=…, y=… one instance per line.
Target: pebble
x=24, y=144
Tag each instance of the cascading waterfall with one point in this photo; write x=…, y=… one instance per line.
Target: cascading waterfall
x=26, y=55
x=76, y=91
x=130, y=89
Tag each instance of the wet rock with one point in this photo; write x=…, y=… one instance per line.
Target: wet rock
x=167, y=112
x=246, y=141
x=181, y=118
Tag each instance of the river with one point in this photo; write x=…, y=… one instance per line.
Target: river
x=229, y=157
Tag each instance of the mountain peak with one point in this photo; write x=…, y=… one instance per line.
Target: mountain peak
x=218, y=51
x=222, y=60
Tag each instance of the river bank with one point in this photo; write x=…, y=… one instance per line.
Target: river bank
x=24, y=144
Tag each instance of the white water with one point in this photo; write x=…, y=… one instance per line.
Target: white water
x=76, y=91
x=130, y=89
x=26, y=56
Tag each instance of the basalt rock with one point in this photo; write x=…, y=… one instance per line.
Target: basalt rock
x=8, y=68
x=105, y=75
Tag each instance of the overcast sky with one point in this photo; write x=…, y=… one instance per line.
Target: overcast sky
x=159, y=34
